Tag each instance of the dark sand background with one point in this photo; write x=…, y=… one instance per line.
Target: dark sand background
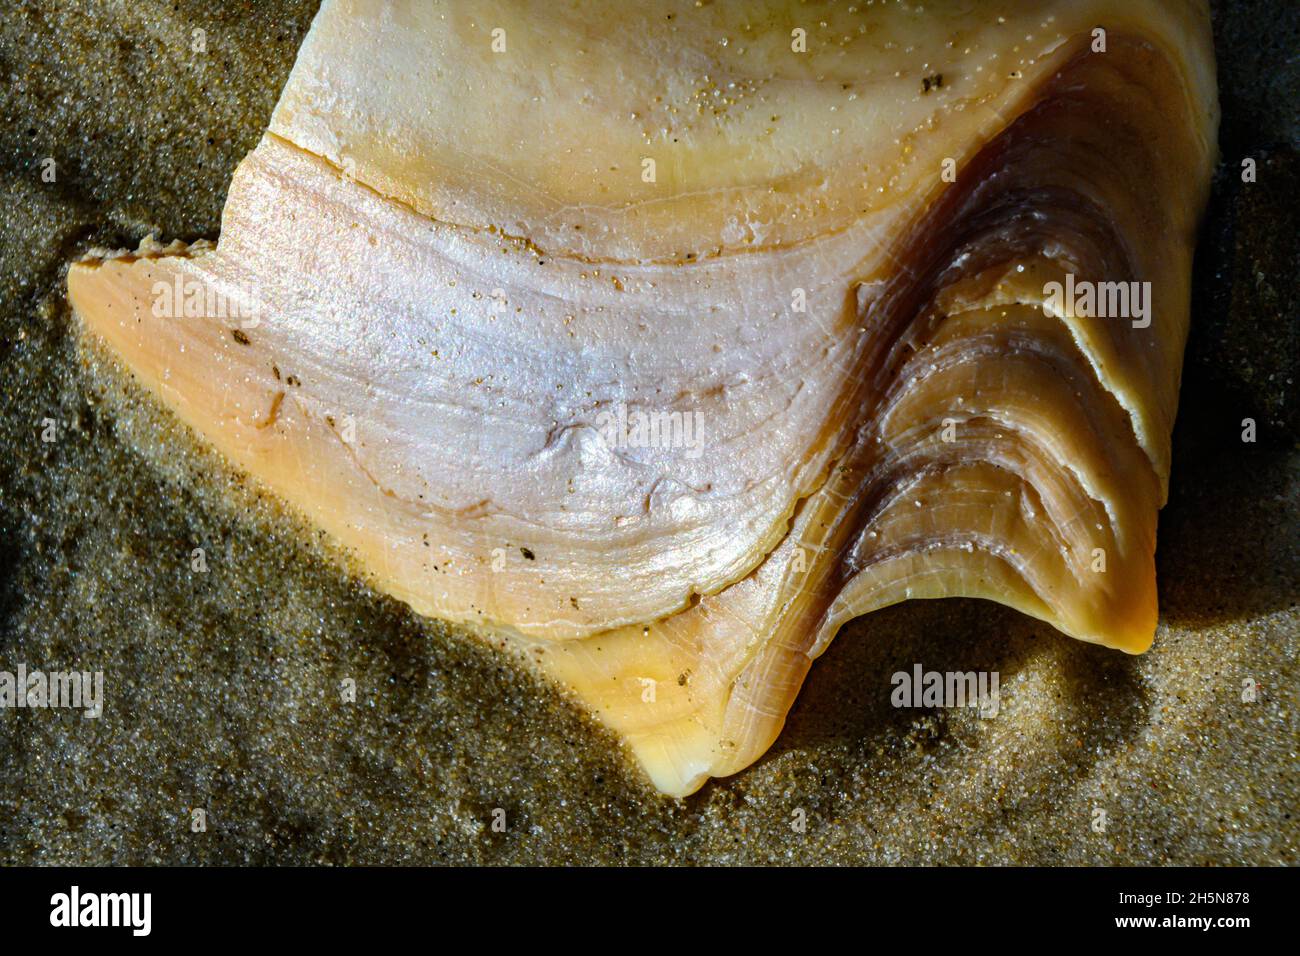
x=222, y=688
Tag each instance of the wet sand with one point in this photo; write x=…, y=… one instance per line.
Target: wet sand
x=222, y=687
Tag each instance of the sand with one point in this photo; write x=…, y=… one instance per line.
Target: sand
x=223, y=687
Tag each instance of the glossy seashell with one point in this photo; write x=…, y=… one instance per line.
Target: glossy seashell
x=656, y=342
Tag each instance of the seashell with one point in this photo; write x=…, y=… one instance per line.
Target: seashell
x=657, y=342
